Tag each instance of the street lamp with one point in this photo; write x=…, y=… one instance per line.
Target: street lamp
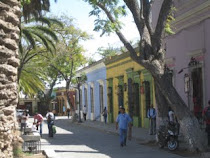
x=78, y=84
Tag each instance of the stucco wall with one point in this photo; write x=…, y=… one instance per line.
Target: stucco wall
x=179, y=47
x=191, y=35
x=95, y=77
x=120, y=67
x=207, y=59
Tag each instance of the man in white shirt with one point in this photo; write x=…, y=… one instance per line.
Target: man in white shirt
x=171, y=116
x=84, y=112
x=50, y=122
x=151, y=114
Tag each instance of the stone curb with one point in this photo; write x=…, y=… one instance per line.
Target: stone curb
x=50, y=153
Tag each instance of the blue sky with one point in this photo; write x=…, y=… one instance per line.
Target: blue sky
x=79, y=10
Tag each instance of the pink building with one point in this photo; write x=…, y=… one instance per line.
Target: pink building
x=188, y=51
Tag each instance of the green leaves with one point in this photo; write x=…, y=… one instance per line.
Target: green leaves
x=113, y=8
x=69, y=51
x=170, y=19
x=34, y=8
x=106, y=26
x=24, y=2
x=107, y=52
x=39, y=33
x=31, y=79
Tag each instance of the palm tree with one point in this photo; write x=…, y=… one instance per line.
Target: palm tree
x=34, y=8
x=10, y=14
x=31, y=79
x=38, y=32
x=9, y=38
x=36, y=38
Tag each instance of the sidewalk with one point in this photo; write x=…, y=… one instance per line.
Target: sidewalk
x=140, y=134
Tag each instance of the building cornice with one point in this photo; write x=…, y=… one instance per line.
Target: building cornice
x=97, y=65
x=191, y=17
x=116, y=58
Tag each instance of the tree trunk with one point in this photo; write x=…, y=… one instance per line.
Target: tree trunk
x=162, y=107
x=48, y=97
x=73, y=113
x=9, y=38
x=193, y=135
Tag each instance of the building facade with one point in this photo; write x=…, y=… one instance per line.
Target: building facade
x=93, y=92
x=188, y=51
x=60, y=104
x=131, y=86
x=30, y=104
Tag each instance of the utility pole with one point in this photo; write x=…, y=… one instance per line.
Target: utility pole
x=78, y=83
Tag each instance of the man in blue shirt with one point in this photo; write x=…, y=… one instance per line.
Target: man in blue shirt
x=151, y=114
x=123, y=121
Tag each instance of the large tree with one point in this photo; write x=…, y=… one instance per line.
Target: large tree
x=150, y=55
x=10, y=15
x=69, y=55
x=37, y=39
x=9, y=38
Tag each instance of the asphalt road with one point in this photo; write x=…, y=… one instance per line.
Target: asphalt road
x=77, y=141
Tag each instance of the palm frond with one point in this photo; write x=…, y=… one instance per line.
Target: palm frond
x=46, y=41
x=47, y=31
x=35, y=8
x=56, y=22
x=30, y=83
x=28, y=37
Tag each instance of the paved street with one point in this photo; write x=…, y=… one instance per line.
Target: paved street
x=75, y=140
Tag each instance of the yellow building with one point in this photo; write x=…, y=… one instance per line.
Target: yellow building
x=131, y=86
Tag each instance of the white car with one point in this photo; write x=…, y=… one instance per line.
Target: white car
x=19, y=112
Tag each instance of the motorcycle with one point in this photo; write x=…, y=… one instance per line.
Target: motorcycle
x=168, y=136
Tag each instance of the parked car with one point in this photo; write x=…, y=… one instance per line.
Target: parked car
x=19, y=112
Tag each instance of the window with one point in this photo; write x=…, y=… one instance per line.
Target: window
x=101, y=98
x=86, y=102
x=110, y=99
x=197, y=90
x=92, y=99
x=136, y=99
x=147, y=95
x=120, y=96
x=130, y=97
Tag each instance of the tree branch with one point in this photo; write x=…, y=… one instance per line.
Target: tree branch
x=129, y=47
x=165, y=9
x=133, y=6
x=59, y=71
x=147, y=15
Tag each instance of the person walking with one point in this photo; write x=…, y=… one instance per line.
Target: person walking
x=104, y=113
x=84, y=112
x=122, y=122
x=68, y=112
x=38, y=119
x=64, y=110
x=23, y=121
x=151, y=114
x=50, y=123
x=206, y=116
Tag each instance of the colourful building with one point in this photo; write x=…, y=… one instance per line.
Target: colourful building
x=93, y=91
x=131, y=86
x=61, y=103
x=188, y=51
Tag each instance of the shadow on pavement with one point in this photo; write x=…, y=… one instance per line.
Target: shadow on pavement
x=75, y=138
